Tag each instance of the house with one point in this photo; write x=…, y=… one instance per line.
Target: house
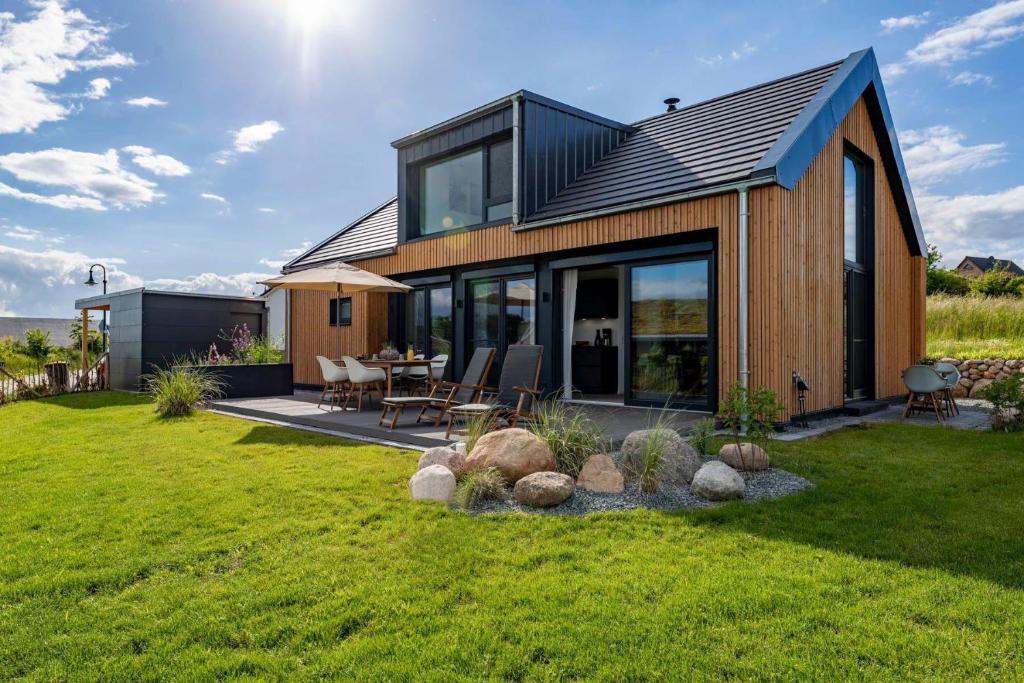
x=757, y=234
x=973, y=266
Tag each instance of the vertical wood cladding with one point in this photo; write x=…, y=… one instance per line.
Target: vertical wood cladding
x=796, y=276
x=809, y=291
x=312, y=335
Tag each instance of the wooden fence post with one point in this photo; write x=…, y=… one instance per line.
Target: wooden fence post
x=85, y=339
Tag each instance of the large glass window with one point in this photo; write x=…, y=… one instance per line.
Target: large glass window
x=451, y=193
x=441, y=320
x=465, y=190
x=854, y=237
x=428, y=321
x=340, y=311
x=669, y=346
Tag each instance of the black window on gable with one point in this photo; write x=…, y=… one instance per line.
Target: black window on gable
x=340, y=307
x=466, y=189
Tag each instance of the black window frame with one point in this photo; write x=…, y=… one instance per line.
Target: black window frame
x=333, y=312
x=414, y=184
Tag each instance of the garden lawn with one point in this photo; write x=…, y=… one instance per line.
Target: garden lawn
x=136, y=548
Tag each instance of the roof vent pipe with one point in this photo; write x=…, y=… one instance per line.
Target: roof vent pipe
x=672, y=102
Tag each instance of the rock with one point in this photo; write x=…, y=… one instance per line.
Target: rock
x=1012, y=364
x=600, y=474
x=983, y=367
x=434, y=482
x=543, y=489
x=978, y=387
x=460, y=447
x=951, y=361
x=747, y=456
x=515, y=452
x=988, y=374
x=444, y=456
x=679, y=462
x=960, y=391
x=717, y=481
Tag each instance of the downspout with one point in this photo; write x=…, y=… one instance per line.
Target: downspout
x=744, y=286
x=517, y=100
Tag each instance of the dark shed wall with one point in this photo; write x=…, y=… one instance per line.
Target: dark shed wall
x=176, y=325
x=125, y=341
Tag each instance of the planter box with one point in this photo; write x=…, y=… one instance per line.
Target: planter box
x=249, y=381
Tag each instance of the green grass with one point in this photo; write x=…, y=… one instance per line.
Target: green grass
x=140, y=548
x=974, y=327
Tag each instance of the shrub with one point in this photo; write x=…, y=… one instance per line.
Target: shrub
x=478, y=426
x=1007, y=398
x=571, y=437
x=476, y=487
x=946, y=282
x=650, y=462
x=701, y=433
x=38, y=346
x=997, y=282
x=750, y=413
x=179, y=389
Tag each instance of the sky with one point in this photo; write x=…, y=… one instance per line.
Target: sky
x=197, y=145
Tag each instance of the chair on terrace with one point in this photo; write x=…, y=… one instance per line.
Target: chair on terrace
x=443, y=395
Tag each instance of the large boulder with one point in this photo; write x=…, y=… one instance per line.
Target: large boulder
x=444, y=456
x=600, y=474
x=514, y=452
x=717, y=481
x=745, y=456
x=979, y=386
x=434, y=482
x=543, y=489
x=679, y=461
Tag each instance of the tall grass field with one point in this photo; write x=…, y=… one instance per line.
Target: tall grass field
x=975, y=327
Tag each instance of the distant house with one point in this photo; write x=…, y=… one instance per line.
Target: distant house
x=973, y=266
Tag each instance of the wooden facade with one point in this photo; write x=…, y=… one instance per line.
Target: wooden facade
x=796, y=276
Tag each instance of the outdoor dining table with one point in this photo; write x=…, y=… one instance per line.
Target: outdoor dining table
x=388, y=365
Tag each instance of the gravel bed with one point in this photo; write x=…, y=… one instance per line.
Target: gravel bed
x=764, y=485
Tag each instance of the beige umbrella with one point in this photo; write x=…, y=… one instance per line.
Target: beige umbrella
x=337, y=277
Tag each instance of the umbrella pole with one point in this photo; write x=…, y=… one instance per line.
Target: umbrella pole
x=337, y=319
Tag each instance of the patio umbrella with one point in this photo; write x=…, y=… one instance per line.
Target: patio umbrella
x=340, y=278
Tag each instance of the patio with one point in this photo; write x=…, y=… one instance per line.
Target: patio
x=301, y=409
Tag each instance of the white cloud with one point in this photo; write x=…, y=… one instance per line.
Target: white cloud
x=936, y=153
x=97, y=179
x=266, y=209
x=970, y=78
x=213, y=197
x=47, y=281
x=975, y=223
x=159, y=164
x=38, y=52
x=910, y=21
x=967, y=37
x=21, y=233
x=145, y=102
x=212, y=283
x=736, y=54
x=287, y=255
x=98, y=88
x=249, y=139
x=893, y=71
x=711, y=60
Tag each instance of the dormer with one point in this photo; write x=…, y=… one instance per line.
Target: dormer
x=497, y=164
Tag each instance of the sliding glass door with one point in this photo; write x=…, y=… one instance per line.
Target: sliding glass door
x=502, y=312
x=670, y=334
x=428, y=325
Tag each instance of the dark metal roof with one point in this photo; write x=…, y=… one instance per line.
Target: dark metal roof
x=373, y=233
x=985, y=264
x=709, y=143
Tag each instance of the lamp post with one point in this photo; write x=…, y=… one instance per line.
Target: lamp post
x=92, y=283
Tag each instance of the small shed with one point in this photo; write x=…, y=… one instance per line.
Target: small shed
x=150, y=328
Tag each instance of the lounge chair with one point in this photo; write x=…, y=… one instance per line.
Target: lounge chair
x=518, y=390
x=443, y=395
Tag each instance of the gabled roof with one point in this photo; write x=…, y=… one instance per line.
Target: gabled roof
x=770, y=132
x=710, y=143
x=985, y=264
x=371, y=234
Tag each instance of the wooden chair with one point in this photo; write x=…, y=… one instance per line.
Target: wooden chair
x=443, y=395
x=925, y=386
x=364, y=380
x=517, y=394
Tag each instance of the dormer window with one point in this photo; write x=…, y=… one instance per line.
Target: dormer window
x=467, y=189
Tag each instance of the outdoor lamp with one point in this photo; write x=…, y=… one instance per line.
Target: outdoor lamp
x=91, y=282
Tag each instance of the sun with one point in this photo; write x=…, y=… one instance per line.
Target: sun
x=310, y=15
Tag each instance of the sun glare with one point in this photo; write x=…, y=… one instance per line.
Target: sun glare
x=309, y=15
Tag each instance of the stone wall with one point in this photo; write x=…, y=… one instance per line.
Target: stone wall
x=978, y=374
